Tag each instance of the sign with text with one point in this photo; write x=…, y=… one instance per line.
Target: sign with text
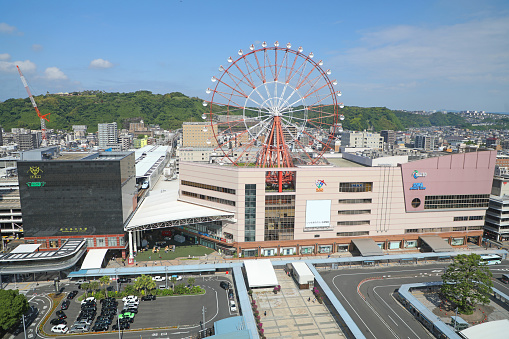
x=318, y=213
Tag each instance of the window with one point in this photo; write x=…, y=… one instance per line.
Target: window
x=355, y=186
x=207, y=187
x=416, y=202
x=250, y=213
x=279, y=217
x=101, y=242
x=476, y=217
x=460, y=218
x=90, y=242
x=206, y=197
x=353, y=223
x=112, y=241
x=354, y=201
x=351, y=234
x=121, y=241
x=355, y=212
x=456, y=201
x=317, y=235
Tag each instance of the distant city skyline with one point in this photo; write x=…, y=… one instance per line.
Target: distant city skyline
x=436, y=55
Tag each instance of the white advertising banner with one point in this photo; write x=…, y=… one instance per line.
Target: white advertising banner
x=318, y=213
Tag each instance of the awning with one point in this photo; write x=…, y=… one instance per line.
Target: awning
x=493, y=329
x=94, y=259
x=26, y=248
x=303, y=272
x=436, y=243
x=260, y=273
x=367, y=247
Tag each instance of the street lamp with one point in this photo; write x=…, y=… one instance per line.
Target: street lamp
x=24, y=327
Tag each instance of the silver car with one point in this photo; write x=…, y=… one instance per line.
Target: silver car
x=78, y=328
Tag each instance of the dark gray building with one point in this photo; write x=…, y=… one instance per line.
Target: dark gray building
x=77, y=195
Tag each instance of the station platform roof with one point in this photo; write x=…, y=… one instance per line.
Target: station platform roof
x=367, y=247
x=436, y=243
x=94, y=259
x=148, y=158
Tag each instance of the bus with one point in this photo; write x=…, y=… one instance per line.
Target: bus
x=490, y=259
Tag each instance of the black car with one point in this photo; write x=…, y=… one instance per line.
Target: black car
x=61, y=315
x=57, y=321
x=132, y=310
x=230, y=294
x=100, y=327
x=124, y=280
x=124, y=325
x=224, y=284
x=65, y=304
x=148, y=297
x=72, y=294
x=104, y=320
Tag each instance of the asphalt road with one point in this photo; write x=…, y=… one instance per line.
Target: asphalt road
x=175, y=316
x=367, y=295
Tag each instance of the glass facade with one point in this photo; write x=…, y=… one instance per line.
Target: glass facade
x=250, y=213
x=91, y=196
x=456, y=201
x=279, y=217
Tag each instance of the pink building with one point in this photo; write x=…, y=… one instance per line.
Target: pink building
x=328, y=207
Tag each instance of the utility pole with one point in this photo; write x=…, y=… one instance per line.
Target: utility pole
x=203, y=312
x=24, y=327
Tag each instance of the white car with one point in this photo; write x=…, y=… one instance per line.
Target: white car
x=59, y=329
x=179, y=277
x=233, y=307
x=158, y=278
x=89, y=299
x=130, y=298
x=134, y=304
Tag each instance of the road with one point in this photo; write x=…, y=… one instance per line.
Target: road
x=367, y=295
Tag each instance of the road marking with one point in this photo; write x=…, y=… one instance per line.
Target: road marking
x=392, y=320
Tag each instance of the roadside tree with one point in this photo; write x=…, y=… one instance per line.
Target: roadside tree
x=105, y=280
x=12, y=306
x=144, y=282
x=467, y=282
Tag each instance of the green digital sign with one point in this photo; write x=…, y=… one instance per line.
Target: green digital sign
x=36, y=184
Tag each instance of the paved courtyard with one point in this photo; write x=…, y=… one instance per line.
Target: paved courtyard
x=291, y=315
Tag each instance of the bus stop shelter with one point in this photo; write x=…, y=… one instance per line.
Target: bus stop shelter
x=367, y=247
x=436, y=243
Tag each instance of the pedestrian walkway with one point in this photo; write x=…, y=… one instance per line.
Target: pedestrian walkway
x=294, y=313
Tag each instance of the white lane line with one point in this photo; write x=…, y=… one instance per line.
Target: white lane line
x=392, y=320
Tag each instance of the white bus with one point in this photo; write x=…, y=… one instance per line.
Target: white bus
x=490, y=259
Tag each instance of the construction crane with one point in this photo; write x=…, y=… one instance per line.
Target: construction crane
x=43, y=117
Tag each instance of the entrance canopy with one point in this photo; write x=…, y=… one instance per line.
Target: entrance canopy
x=26, y=248
x=94, y=259
x=367, y=247
x=436, y=243
x=260, y=273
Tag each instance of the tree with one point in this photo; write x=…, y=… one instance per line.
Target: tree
x=105, y=280
x=144, y=282
x=191, y=281
x=12, y=306
x=173, y=280
x=94, y=285
x=467, y=282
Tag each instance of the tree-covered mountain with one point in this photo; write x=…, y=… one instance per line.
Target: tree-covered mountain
x=170, y=110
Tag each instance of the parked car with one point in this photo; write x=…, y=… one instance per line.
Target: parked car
x=82, y=322
x=131, y=303
x=124, y=280
x=100, y=327
x=88, y=300
x=80, y=281
x=158, y=278
x=57, y=321
x=124, y=325
x=126, y=315
x=132, y=310
x=233, y=307
x=79, y=328
x=60, y=329
x=224, y=284
x=148, y=297
x=178, y=277
x=130, y=297
x=72, y=294
x=65, y=304
x=230, y=294
x=61, y=315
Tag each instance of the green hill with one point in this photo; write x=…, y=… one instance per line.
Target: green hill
x=170, y=110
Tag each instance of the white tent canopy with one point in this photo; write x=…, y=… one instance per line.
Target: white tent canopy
x=260, y=273
x=94, y=259
x=26, y=248
x=304, y=274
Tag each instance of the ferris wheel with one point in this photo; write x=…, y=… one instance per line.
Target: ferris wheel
x=273, y=107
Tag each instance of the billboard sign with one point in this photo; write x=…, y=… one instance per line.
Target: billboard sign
x=318, y=213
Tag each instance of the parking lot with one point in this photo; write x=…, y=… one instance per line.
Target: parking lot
x=169, y=312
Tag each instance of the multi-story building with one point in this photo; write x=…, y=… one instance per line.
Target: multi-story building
x=80, y=132
x=108, y=135
x=1, y=136
x=76, y=195
x=362, y=139
x=26, y=141
x=326, y=208
x=389, y=138
x=198, y=134
x=426, y=142
x=496, y=226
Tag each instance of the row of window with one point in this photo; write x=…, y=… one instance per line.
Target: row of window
x=351, y=234
x=472, y=217
x=355, y=212
x=353, y=223
x=208, y=198
x=207, y=187
x=443, y=229
x=456, y=201
x=250, y=213
x=355, y=186
x=354, y=201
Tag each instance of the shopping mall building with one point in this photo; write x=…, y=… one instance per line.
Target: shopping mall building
x=394, y=204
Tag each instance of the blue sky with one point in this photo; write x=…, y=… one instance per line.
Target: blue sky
x=451, y=55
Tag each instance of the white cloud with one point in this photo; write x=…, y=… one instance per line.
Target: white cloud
x=54, y=73
x=100, y=63
x=26, y=66
x=468, y=52
x=5, y=57
x=37, y=47
x=8, y=29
